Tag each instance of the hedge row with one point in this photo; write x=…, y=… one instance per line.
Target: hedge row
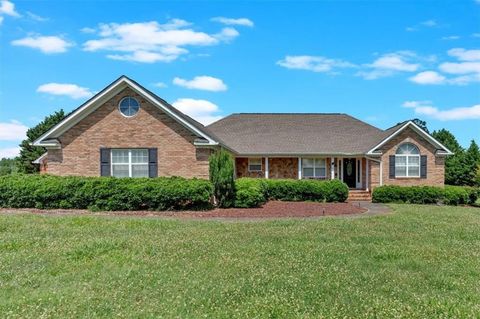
x=102, y=193
x=448, y=195
x=252, y=192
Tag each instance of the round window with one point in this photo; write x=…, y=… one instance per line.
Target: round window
x=129, y=106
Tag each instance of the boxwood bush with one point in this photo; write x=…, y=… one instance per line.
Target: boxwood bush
x=253, y=192
x=449, y=195
x=104, y=193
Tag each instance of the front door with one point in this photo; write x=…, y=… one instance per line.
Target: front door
x=349, y=172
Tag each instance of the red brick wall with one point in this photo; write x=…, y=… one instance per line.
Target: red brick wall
x=149, y=128
x=435, y=164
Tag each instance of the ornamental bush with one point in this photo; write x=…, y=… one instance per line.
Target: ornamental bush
x=222, y=177
x=253, y=192
x=250, y=192
x=104, y=193
x=449, y=195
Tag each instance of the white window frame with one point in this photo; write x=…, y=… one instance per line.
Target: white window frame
x=407, y=164
x=250, y=159
x=314, y=168
x=120, y=103
x=130, y=163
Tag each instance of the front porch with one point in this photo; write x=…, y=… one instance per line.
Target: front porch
x=352, y=170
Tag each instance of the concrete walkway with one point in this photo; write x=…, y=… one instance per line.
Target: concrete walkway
x=373, y=208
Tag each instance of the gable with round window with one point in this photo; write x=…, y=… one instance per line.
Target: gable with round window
x=129, y=106
x=407, y=161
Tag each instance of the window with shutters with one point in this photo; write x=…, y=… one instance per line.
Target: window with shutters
x=407, y=161
x=129, y=162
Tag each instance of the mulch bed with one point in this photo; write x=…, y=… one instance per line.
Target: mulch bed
x=272, y=209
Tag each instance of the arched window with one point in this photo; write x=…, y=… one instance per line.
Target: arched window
x=407, y=161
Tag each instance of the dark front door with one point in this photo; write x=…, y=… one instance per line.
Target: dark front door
x=349, y=172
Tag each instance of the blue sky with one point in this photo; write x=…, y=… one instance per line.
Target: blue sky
x=382, y=62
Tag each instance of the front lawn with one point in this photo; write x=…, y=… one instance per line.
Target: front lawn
x=419, y=262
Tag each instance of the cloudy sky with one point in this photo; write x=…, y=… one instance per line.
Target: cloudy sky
x=383, y=62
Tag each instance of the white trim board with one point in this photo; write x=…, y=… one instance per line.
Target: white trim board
x=420, y=131
x=110, y=91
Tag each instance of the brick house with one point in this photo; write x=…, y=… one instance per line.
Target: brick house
x=127, y=131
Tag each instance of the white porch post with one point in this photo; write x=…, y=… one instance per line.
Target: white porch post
x=381, y=172
x=332, y=167
x=299, y=168
x=266, y=167
x=367, y=177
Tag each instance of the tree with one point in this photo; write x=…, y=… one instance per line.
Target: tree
x=457, y=170
x=421, y=124
x=29, y=153
x=447, y=139
x=473, y=154
x=473, y=151
x=222, y=178
x=7, y=166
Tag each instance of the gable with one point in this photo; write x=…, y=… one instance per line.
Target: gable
x=106, y=125
x=409, y=130
x=116, y=87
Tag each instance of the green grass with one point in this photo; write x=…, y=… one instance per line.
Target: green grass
x=419, y=262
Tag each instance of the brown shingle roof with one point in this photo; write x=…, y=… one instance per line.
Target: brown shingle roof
x=296, y=134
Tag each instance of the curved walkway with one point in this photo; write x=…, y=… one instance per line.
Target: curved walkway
x=271, y=210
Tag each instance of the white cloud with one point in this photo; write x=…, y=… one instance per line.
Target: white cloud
x=46, y=44
x=424, y=24
x=160, y=85
x=9, y=152
x=88, y=30
x=36, y=17
x=201, y=110
x=389, y=64
x=203, y=82
x=229, y=21
x=8, y=8
x=460, y=68
x=12, y=131
x=460, y=113
x=150, y=42
x=414, y=104
x=227, y=34
x=313, y=63
x=451, y=37
x=429, y=23
x=466, y=71
x=428, y=77
x=465, y=55
x=71, y=90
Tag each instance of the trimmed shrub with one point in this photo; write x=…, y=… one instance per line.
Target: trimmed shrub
x=222, y=177
x=104, y=193
x=253, y=192
x=306, y=190
x=449, y=195
x=250, y=192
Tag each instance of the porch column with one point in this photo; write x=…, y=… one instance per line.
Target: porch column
x=299, y=168
x=332, y=167
x=367, y=177
x=381, y=172
x=266, y=167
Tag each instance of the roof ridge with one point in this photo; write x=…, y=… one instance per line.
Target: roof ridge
x=288, y=113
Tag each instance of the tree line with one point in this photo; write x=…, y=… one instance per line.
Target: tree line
x=462, y=168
